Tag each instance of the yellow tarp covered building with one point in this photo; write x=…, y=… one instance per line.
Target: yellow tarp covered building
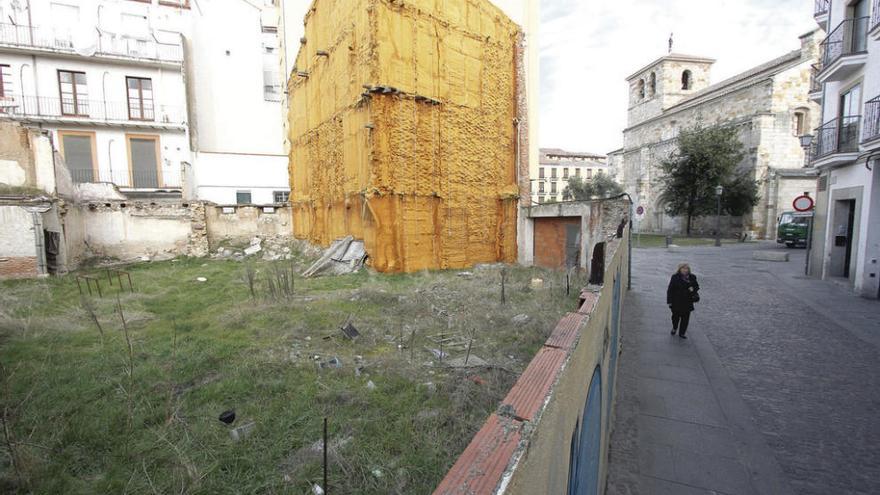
x=402, y=128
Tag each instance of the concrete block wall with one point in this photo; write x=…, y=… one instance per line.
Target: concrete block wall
x=246, y=221
x=551, y=425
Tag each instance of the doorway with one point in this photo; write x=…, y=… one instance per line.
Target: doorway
x=843, y=233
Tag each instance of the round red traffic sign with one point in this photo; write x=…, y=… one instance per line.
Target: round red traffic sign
x=803, y=203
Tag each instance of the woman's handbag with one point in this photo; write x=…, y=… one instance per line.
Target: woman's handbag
x=695, y=296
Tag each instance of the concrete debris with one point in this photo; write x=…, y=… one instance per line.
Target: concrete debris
x=472, y=361
x=343, y=256
x=466, y=274
x=430, y=387
x=317, y=490
x=241, y=432
x=520, y=319
x=537, y=283
x=371, y=385
x=201, y=279
x=377, y=473
x=252, y=249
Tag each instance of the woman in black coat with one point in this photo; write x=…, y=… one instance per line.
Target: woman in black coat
x=680, y=296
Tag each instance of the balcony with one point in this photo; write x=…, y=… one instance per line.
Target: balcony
x=837, y=141
x=167, y=178
x=871, y=133
x=815, y=84
x=91, y=112
x=107, y=46
x=844, y=50
x=820, y=12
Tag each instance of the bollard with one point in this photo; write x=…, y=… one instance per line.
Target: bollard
x=668, y=240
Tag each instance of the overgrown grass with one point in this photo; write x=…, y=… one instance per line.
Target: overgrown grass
x=199, y=348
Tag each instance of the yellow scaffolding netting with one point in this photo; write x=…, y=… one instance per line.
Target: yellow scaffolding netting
x=402, y=131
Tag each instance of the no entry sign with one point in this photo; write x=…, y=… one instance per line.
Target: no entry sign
x=640, y=212
x=803, y=203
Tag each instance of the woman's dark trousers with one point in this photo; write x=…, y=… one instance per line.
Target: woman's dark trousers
x=680, y=322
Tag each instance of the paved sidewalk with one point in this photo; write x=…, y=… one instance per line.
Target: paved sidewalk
x=774, y=392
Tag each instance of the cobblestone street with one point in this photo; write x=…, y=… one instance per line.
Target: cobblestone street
x=776, y=390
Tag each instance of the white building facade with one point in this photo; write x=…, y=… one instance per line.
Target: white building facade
x=846, y=146
x=125, y=90
x=557, y=166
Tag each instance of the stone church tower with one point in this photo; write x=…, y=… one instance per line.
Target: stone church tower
x=664, y=83
x=770, y=105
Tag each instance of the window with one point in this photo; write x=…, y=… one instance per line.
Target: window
x=74, y=93
x=577, y=172
x=565, y=173
x=800, y=122
x=541, y=199
x=552, y=173
x=271, y=67
x=652, y=84
x=851, y=101
x=541, y=187
x=143, y=160
x=686, y=82
x=541, y=173
x=640, y=89
x=140, y=98
x=78, y=151
x=243, y=197
x=552, y=188
x=589, y=173
x=281, y=196
x=5, y=82
x=64, y=19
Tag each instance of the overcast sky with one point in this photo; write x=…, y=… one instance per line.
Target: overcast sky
x=588, y=48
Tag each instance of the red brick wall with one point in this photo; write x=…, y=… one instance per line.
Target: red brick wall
x=18, y=267
x=550, y=240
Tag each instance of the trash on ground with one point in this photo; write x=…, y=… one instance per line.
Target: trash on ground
x=520, y=319
x=241, y=432
x=350, y=331
x=201, y=279
x=343, y=256
x=227, y=416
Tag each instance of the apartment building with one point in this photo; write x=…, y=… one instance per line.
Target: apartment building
x=557, y=166
x=159, y=97
x=846, y=146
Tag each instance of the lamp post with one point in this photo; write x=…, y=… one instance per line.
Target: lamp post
x=719, y=190
x=806, y=144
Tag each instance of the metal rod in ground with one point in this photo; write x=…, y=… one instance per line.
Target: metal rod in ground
x=79, y=286
x=326, y=488
x=109, y=277
x=471, y=343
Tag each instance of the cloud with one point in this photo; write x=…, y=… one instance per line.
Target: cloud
x=588, y=48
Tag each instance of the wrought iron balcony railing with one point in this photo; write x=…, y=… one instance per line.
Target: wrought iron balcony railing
x=872, y=120
x=89, y=110
x=821, y=7
x=848, y=38
x=815, y=85
x=152, y=179
x=838, y=136
x=875, y=17
x=106, y=44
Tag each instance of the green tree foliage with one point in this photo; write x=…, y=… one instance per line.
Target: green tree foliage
x=601, y=186
x=705, y=158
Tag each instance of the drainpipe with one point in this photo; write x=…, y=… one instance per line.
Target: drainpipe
x=30, y=23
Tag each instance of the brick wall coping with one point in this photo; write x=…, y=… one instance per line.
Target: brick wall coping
x=487, y=463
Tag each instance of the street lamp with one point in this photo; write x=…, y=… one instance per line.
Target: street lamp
x=719, y=190
x=806, y=144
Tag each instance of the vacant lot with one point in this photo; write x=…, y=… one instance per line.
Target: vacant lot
x=92, y=405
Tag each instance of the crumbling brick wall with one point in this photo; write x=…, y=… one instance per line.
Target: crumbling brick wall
x=403, y=131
